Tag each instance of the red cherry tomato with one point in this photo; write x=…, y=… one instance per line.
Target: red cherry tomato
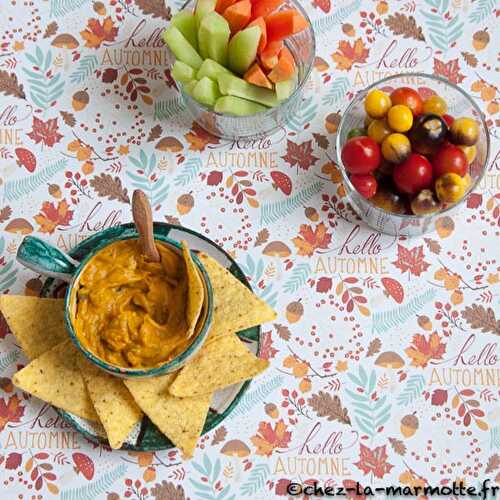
x=361, y=155
x=413, y=175
x=366, y=185
x=449, y=159
x=408, y=97
x=448, y=119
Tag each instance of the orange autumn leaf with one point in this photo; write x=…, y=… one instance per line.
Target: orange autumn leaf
x=74, y=145
x=96, y=33
x=51, y=217
x=332, y=171
x=199, y=138
x=310, y=240
x=10, y=411
x=346, y=55
x=268, y=439
x=423, y=350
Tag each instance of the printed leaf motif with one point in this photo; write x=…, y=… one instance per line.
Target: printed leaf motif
x=347, y=55
x=424, y=350
x=268, y=439
x=109, y=75
x=398, y=446
x=13, y=461
x=155, y=8
x=219, y=435
x=373, y=461
x=283, y=331
x=111, y=187
x=189, y=171
x=96, y=32
x=303, y=116
x=164, y=110
x=401, y=24
x=300, y=154
x=199, y=138
x=5, y=213
x=411, y=260
x=310, y=240
x=324, y=24
x=68, y=118
x=450, y=70
x=433, y=245
x=262, y=237
x=326, y=405
x=373, y=347
x=439, y=397
x=155, y=133
x=168, y=491
x=256, y=480
x=86, y=67
x=50, y=216
x=45, y=132
x=493, y=463
x=470, y=59
x=10, y=411
x=321, y=140
x=482, y=318
x=335, y=92
x=443, y=30
x=412, y=390
x=9, y=85
x=50, y=30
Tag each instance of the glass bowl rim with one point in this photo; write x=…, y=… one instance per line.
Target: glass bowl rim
x=300, y=85
x=470, y=100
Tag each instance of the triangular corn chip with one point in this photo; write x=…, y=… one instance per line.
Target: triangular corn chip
x=180, y=419
x=235, y=306
x=115, y=406
x=225, y=361
x=37, y=324
x=196, y=292
x=55, y=378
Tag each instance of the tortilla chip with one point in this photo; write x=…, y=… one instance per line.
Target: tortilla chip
x=55, y=378
x=180, y=419
x=236, y=307
x=225, y=361
x=115, y=406
x=37, y=324
x=196, y=291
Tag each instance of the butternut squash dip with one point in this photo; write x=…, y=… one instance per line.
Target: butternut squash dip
x=131, y=312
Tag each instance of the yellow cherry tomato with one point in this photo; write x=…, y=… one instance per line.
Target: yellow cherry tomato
x=368, y=120
x=400, y=118
x=470, y=152
x=450, y=188
x=464, y=131
x=435, y=105
x=378, y=130
x=396, y=148
x=377, y=103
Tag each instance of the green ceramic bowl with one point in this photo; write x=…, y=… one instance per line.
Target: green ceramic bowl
x=48, y=260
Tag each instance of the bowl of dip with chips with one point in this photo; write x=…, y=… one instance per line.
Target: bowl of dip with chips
x=129, y=316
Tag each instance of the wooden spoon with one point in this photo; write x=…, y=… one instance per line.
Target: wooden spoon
x=143, y=220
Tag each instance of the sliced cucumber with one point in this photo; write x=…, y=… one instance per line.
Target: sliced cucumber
x=242, y=49
x=206, y=91
x=181, y=48
x=237, y=106
x=213, y=37
x=182, y=72
x=185, y=22
x=232, y=85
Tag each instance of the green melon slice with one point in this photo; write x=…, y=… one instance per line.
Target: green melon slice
x=285, y=89
x=185, y=22
x=181, y=48
x=206, y=91
x=182, y=72
x=237, y=106
x=242, y=49
x=211, y=69
x=203, y=7
x=213, y=37
x=232, y=85
x=189, y=87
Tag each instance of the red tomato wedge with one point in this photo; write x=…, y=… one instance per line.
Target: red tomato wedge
x=284, y=23
x=238, y=15
x=263, y=8
x=269, y=56
x=263, y=29
x=222, y=5
x=285, y=68
x=256, y=76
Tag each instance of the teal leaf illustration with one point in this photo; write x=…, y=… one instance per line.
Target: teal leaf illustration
x=96, y=487
x=164, y=110
x=44, y=90
x=298, y=278
x=188, y=172
x=325, y=24
x=256, y=480
x=256, y=272
x=208, y=489
x=273, y=211
x=385, y=321
x=7, y=276
x=369, y=414
x=443, y=30
x=495, y=438
x=85, y=68
x=18, y=188
x=59, y=8
x=7, y=360
x=253, y=398
x=305, y=113
x=412, y=390
x=482, y=10
x=336, y=91
x=145, y=178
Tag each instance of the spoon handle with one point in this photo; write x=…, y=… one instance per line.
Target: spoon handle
x=143, y=220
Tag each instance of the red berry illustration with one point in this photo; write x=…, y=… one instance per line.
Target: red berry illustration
x=26, y=159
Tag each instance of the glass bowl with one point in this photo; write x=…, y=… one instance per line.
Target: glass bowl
x=303, y=48
x=459, y=104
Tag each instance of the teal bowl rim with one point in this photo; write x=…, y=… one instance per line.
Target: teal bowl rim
x=156, y=371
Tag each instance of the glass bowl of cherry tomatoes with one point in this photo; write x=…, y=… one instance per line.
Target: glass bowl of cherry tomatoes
x=411, y=148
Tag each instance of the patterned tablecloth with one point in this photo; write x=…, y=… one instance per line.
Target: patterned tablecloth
x=385, y=357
